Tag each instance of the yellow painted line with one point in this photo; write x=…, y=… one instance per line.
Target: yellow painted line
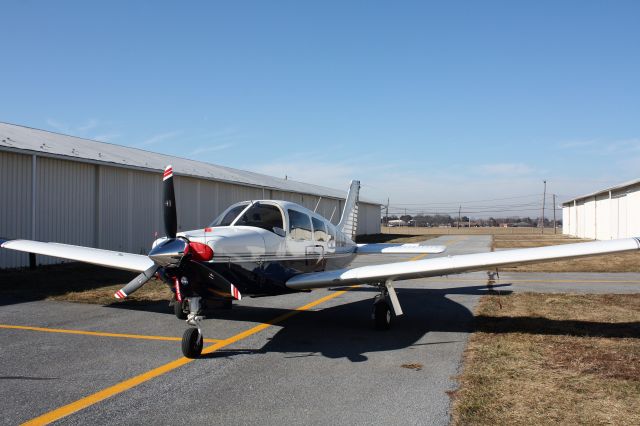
x=97, y=333
x=420, y=256
x=87, y=401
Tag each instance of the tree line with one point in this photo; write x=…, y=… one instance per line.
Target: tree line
x=447, y=220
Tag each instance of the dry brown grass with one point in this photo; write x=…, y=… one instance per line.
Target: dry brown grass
x=77, y=282
x=511, y=238
x=621, y=262
x=532, y=240
x=552, y=359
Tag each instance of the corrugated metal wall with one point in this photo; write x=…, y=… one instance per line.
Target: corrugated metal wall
x=15, y=204
x=605, y=216
x=120, y=209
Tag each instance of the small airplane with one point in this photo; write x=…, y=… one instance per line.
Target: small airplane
x=270, y=247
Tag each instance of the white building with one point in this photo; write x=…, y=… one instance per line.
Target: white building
x=71, y=190
x=604, y=215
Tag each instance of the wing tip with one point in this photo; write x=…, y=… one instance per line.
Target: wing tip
x=3, y=240
x=120, y=294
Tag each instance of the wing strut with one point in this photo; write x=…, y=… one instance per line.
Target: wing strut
x=393, y=298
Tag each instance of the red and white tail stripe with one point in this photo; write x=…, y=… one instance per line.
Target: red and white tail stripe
x=235, y=293
x=168, y=172
x=120, y=294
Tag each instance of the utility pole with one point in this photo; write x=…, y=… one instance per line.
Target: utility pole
x=459, y=216
x=544, y=197
x=387, y=213
x=554, y=213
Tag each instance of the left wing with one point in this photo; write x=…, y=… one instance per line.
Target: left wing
x=112, y=259
x=390, y=248
x=457, y=264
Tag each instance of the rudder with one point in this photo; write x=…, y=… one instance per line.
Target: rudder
x=349, y=221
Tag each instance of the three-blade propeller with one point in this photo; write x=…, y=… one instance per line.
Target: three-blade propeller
x=170, y=251
x=171, y=228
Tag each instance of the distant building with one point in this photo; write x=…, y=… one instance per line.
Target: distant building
x=604, y=215
x=71, y=190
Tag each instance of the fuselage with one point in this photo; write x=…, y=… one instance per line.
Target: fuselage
x=258, y=245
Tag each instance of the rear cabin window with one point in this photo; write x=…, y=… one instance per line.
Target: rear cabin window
x=263, y=216
x=299, y=225
x=319, y=230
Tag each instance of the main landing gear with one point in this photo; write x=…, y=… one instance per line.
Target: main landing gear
x=385, y=307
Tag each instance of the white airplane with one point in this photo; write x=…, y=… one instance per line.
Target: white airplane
x=269, y=247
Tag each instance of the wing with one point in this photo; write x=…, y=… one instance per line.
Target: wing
x=398, y=249
x=112, y=259
x=457, y=264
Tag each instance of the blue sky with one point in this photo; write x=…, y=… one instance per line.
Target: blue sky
x=424, y=102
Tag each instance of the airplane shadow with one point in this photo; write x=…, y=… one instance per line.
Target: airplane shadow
x=345, y=331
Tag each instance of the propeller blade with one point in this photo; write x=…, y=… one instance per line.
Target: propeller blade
x=222, y=286
x=169, y=202
x=136, y=283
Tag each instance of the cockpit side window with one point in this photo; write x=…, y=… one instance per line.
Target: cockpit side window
x=265, y=216
x=226, y=218
x=319, y=230
x=299, y=225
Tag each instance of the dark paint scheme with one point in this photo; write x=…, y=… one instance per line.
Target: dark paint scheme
x=257, y=260
x=257, y=278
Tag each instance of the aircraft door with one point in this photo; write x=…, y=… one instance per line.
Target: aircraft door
x=300, y=245
x=321, y=239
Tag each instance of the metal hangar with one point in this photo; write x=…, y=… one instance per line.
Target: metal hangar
x=604, y=215
x=71, y=190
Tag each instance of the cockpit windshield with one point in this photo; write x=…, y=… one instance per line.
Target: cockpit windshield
x=227, y=217
x=265, y=216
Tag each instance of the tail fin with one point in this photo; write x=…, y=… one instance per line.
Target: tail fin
x=349, y=220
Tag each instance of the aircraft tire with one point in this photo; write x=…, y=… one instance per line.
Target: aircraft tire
x=191, y=343
x=178, y=310
x=382, y=315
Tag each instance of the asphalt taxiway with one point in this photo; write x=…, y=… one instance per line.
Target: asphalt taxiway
x=308, y=357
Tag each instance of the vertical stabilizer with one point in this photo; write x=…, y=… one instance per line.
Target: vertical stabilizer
x=349, y=220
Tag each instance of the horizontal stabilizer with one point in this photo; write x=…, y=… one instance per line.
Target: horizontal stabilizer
x=108, y=258
x=390, y=248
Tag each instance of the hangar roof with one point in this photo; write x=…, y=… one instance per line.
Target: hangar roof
x=20, y=138
x=606, y=190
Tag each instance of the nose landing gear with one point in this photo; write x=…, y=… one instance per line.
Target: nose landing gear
x=192, y=342
x=192, y=339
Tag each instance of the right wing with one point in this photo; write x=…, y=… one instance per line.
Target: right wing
x=457, y=264
x=111, y=259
